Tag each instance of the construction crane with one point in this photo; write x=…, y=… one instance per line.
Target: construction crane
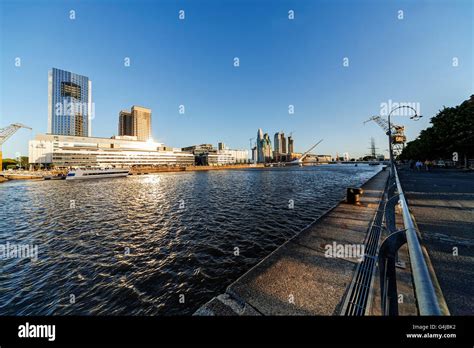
x=7, y=132
x=398, y=133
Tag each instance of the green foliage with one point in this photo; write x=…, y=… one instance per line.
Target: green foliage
x=8, y=162
x=24, y=161
x=452, y=130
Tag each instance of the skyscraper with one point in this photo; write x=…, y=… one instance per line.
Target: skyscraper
x=125, y=123
x=283, y=143
x=267, y=148
x=69, y=103
x=290, y=144
x=277, y=143
x=260, y=155
x=136, y=123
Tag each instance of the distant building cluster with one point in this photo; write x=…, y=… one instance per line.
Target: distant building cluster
x=69, y=142
x=282, y=151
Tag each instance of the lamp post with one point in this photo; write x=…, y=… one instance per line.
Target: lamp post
x=415, y=117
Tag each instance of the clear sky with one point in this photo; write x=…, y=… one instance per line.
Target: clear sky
x=282, y=62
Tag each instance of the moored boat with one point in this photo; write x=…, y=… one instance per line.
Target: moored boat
x=97, y=173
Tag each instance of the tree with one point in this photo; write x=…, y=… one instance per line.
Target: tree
x=8, y=162
x=452, y=130
x=23, y=161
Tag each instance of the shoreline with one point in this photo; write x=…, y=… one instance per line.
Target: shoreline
x=265, y=287
x=40, y=174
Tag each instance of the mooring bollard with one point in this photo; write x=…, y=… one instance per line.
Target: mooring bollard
x=353, y=195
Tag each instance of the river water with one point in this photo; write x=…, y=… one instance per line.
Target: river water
x=160, y=244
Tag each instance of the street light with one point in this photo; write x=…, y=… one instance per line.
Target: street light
x=415, y=117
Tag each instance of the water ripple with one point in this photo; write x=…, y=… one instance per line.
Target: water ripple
x=153, y=245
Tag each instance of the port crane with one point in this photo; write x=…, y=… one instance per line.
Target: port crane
x=398, y=133
x=7, y=132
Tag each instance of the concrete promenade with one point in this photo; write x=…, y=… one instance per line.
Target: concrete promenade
x=442, y=202
x=297, y=278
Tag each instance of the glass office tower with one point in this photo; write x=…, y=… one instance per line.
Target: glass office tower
x=69, y=103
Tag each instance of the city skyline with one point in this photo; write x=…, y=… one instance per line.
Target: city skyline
x=193, y=66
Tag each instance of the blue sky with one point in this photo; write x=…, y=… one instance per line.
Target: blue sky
x=282, y=62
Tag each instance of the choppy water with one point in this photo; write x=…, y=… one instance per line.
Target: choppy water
x=173, y=250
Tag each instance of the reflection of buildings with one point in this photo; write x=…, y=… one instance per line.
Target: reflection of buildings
x=72, y=151
x=136, y=123
x=69, y=103
x=208, y=155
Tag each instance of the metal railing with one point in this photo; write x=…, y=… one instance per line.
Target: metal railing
x=429, y=297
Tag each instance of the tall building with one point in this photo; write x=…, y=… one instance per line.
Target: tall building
x=290, y=145
x=283, y=143
x=221, y=146
x=125, y=123
x=254, y=154
x=260, y=155
x=277, y=143
x=69, y=103
x=267, y=148
x=136, y=123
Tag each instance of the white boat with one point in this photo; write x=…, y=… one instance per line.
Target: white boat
x=97, y=173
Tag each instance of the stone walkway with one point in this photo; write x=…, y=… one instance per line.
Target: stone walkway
x=298, y=278
x=442, y=202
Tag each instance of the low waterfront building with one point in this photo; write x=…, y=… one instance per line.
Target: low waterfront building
x=294, y=156
x=199, y=149
x=311, y=158
x=120, y=151
x=235, y=156
x=206, y=155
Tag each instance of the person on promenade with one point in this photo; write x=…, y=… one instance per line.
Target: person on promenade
x=411, y=164
x=427, y=165
x=418, y=165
